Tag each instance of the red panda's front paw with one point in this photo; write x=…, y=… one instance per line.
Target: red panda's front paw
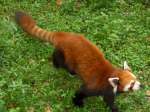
x=77, y=102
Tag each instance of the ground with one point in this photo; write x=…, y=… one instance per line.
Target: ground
x=27, y=79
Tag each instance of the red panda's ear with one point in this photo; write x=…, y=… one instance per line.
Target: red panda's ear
x=114, y=81
x=125, y=66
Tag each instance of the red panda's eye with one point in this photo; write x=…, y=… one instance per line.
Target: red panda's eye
x=131, y=86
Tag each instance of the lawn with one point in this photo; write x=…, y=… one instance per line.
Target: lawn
x=121, y=29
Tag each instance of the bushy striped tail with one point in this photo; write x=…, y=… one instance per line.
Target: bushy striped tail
x=29, y=25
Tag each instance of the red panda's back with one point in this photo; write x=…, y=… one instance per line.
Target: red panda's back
x=83, y=57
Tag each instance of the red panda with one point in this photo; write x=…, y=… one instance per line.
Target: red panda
x=79, y=56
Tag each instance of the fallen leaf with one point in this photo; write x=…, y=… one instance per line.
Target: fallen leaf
x=30, y=109
x=31, y=61
x=148, y=93
x=47, y=109
x=11, y=105
x=148, y=38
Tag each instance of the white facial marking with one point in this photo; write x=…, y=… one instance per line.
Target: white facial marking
x=113, y=84
x=126, y=88
x=136, y=85
x=132, y=75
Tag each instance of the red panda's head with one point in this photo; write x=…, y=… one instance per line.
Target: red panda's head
x=126, y=80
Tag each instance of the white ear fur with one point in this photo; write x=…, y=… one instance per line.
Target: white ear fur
x=113, y=82
x=125, y=66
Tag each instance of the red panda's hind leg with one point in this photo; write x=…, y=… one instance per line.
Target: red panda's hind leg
x=59, y=61
x=83, y=93
x=80, y=95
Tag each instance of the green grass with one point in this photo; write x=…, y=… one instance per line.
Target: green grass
x=28, y=79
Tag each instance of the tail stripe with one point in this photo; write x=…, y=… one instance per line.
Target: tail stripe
x=29, y=25
x=39, y=31
x=51, y=37
x=42, y=34
x=34, y=29
x=47, y=36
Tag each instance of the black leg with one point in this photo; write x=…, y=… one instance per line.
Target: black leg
x=58, y=58
x=59, y=61
x=69, y=70
x=109, y=100
x=81, y=94
x=79, y=97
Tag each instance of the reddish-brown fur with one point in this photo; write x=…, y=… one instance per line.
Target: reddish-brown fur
x=80, y=54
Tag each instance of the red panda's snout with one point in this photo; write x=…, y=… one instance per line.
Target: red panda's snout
x=132, y=86
x=127, y=80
